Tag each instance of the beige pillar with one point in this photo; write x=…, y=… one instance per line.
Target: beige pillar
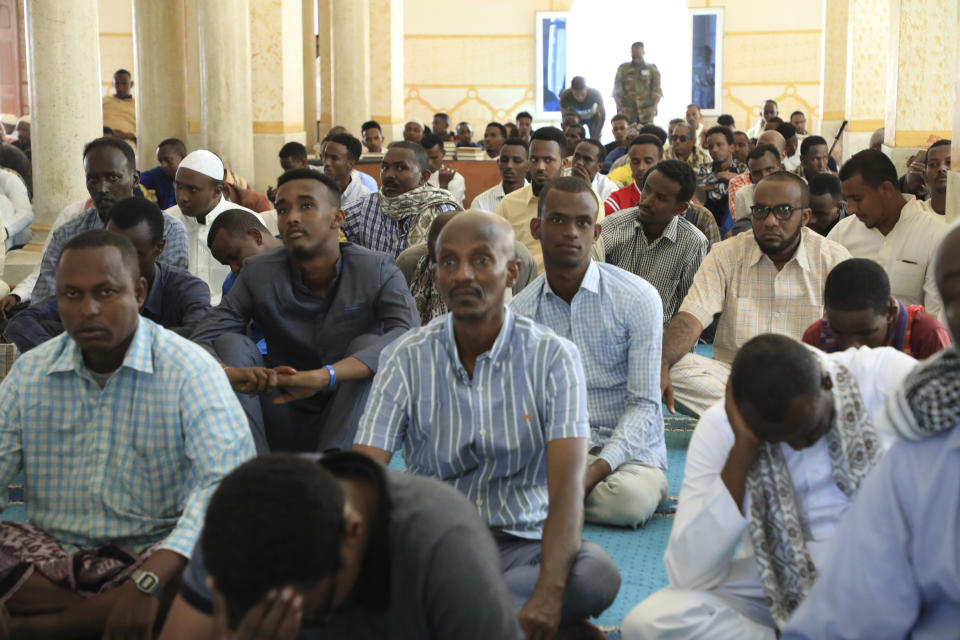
x=920, y=72
x=868, y=23
x=953, y=178
x=833, y=83
x=195, y=138
x=225, y=95
x=386, y=64
x=159, y=41
x=63, y=66
x=325, y=65
x=277, y=70
x=351, y=64
x=309, y=72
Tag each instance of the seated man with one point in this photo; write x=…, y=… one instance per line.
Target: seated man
x=512, y=433
x=326, y=312
x=494, y=137
x=439, y=583
x=111, y=170
x=741, y=146
x=293, y=155
x=799, y=121
x=170, y=153
x=400, y=213
x=200, y=200
x=654, y=240
x=175, y=299
x=769, y=474
x=574, y=133
x=246, y=197
x=122, y=430
x=612, y=316
x=418, y=264
x=684, y=147
x=372, y=136
x=340, y=153
x=714, y=177
x=441, y=175
x=827, y=206
x=791, y=161
x=441, y=127
x=413, y=131
x=859, y=311
x=903, y=524
x=742, y=180
x=767, y=281
x=465, y=135
x=587, y=158
x=935, y=176
x=16, y=211
x=885, y=226
x=618, y=127
x=512, y=163
x=814, y=157
x=763, y=160
x=644, y=152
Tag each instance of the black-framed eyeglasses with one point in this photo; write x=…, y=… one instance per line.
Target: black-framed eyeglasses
x=678, y=138
x=781, y=211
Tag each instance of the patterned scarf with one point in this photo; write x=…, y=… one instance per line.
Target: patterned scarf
x=899, y=337
x=421, y=206
x=786, y=569
x=424, y=290
x=927, y=402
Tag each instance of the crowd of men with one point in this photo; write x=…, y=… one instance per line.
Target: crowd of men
x=212, y=383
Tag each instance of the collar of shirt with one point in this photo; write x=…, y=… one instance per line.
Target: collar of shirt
x=590, y=282
x=153, y=306
x=499, y=350
x=526, y=193
x=298, y=276
x=669, y=232
x=754, y=254
x=138, y=357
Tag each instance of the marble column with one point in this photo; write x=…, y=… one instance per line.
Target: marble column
x=833, y=77
x=953, y=178
x=310, y=114
x=920, y=74
x=351, y=64
x=159, y=41
x=325, y=65
x=223, y=30
x=63, y=67
x=868, y=23
x=195, y=139
x=386, y=64
x=277, y=69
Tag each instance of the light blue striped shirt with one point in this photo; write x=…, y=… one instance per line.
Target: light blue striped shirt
x=133, y=463
x=615, y=319
x=486, y=436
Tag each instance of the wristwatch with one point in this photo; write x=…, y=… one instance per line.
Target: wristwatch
x=147, y=582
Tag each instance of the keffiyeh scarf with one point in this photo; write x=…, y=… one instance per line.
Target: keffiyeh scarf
x=786, y=569
x=927, y=401
x=420, y=205
x=423, y=287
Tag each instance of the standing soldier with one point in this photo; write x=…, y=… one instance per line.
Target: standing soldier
x=637, y=87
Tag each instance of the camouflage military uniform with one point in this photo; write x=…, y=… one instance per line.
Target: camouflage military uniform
x=638, y=89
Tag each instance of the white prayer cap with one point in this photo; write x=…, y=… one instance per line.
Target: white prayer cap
x=205, y=162
x=8, y=119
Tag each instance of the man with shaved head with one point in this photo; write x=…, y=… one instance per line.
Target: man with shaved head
x=480, y=363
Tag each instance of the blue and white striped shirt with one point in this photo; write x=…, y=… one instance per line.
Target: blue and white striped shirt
x=133, y=463
x=615, y=319
x=366, y=225
x=486, y=436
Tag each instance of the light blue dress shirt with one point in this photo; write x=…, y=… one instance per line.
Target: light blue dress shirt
x=487, y=436
x=133, y=463
x=615, y=319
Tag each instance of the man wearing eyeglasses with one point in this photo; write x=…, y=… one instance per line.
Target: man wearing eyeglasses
x=683, y=147
x=768, y=281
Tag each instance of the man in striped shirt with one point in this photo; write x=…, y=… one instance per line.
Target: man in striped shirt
x=496, y=405
x=615, y=319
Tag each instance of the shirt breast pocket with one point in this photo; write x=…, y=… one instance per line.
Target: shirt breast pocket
x=906, y=281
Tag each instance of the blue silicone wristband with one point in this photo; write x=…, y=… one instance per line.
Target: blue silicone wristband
x=333, y=376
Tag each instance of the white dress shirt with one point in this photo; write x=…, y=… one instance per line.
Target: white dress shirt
x=489, y=199
x=906, y=253
x=710, y=546
x=792, y=163
x=354, y=191
x=17, y=215
x=743, y=201
x=457, y=186
x=202, y=263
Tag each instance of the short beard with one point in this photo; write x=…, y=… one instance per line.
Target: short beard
x=780, y=248
x=537, y=188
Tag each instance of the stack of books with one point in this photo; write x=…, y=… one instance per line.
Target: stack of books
x=472, y=153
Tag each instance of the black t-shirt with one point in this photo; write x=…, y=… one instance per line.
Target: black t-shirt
x=587, y=108
x=434, y=572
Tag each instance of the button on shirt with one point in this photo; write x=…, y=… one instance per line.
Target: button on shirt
x=366, y=225
x=906, y=253
x=132, y=463
x=668, y=263
x=613, y=321
x=174, y=253
x=486, y=436
x=176, y=301
x=707, y=511
x=202, y=263
x=738, y=281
